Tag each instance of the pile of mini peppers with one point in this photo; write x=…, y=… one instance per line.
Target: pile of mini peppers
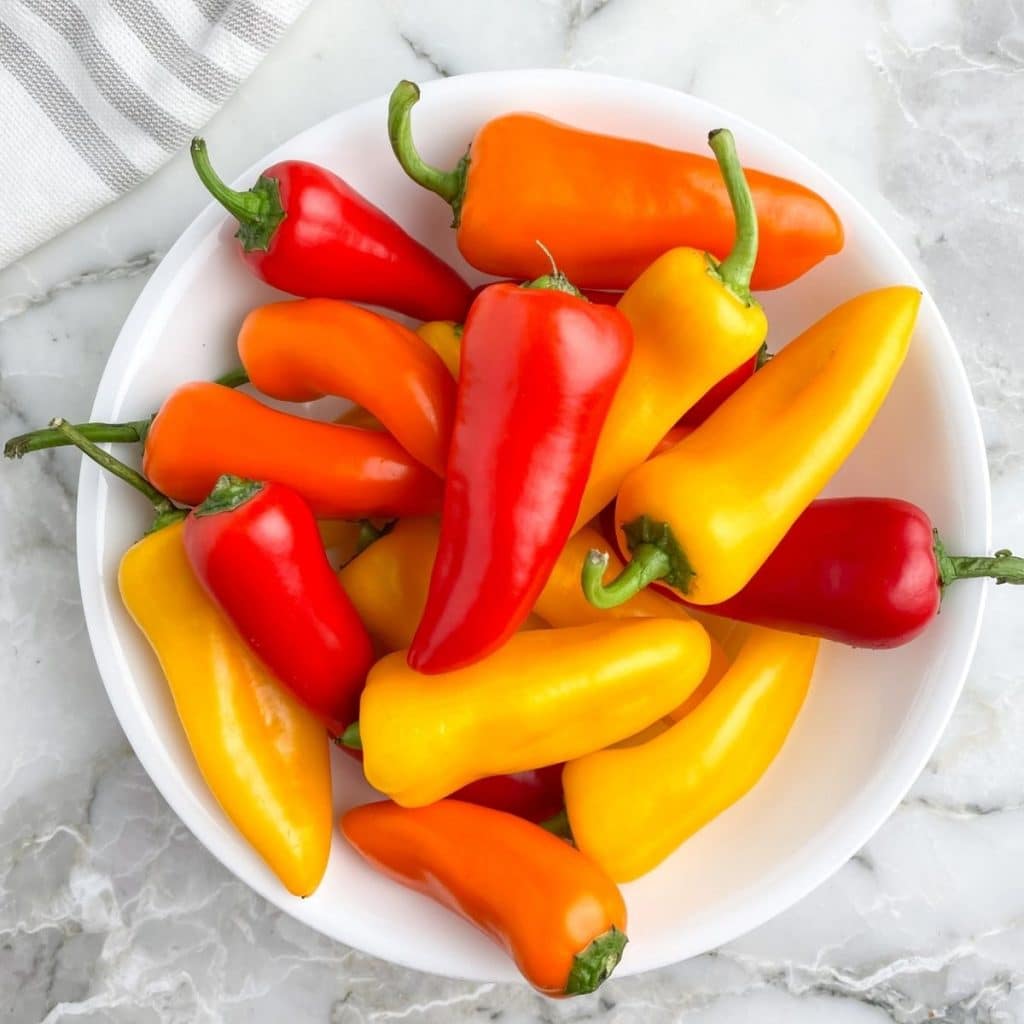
x=582, y=551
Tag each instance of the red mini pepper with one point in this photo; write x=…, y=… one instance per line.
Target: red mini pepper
x=540, y=366
x=256, y=549
x=868, y=572
x=534, y=795
x=304, y=230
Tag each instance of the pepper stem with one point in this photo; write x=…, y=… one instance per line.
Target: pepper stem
x=736, y=269
x=258, y=210
x=1003, y=566
x=350, y=738
x=228, y=493
x=449, y=185
x=593, y=965
x=166, y=511
x=132, y=432
x=37, y=440
x=233, y=378
x=556, y=281
x=558, y=825
x=649, y=563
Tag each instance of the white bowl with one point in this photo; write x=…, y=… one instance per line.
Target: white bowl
x=871, y=720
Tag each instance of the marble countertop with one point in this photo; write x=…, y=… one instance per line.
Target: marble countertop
x=110, y=911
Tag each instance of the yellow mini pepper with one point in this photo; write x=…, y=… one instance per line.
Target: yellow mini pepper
x=264, y=757
x=444, y=337
x=704, y=515
x=388, y=584
x=694, y=321
x=542, y=698
x=630, y=807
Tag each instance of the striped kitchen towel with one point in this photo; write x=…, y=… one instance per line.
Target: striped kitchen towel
x=96, y=94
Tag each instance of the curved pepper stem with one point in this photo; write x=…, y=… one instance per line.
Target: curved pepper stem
x=648, y=564
x=656, y=556
x=258, y=211
x=736, y=269
x=166, y=511
x=591, y=968
x=449, y=185
x=1003, y=566
x=132, y=432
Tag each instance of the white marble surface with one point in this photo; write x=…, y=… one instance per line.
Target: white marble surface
x=111, y=911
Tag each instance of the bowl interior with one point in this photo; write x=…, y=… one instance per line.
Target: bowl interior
x=871, y=719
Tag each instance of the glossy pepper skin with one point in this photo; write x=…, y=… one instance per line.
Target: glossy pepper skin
x=630, y=807
x=544, y=697
x=694, y=321
x=301, y=350
x=561, y=919
x=705, y=515
x=445, y=338
x=264, y=757
x=607, y=207
x=256, y=549
x=539, y=367
x=204, y=430
x=868, y=572
x=387, y=583
x=304, y=230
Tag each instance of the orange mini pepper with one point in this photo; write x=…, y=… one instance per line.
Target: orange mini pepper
x=204, y=430
x=301, y=350
x=606, y=207
x=559, y=917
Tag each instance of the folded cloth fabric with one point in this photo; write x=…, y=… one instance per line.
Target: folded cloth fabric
x=97, y=94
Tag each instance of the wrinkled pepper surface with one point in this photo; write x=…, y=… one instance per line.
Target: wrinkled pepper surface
x=544, y=697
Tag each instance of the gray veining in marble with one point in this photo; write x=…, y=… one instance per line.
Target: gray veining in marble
x=111, y=912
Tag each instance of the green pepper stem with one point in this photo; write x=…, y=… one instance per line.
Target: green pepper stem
x=592, y=966
x=257, y=210
x=132, y=432
x=736, y=269
x=649, y=563
x=245, y=207
x=37, y=440
x=350, y=738
x=1003, y=566
x=449, y=185
x=233, y=378
x=166, y=511
x=558, y=825
x=228, y=493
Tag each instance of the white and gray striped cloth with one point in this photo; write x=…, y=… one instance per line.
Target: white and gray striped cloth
x=96, y=94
